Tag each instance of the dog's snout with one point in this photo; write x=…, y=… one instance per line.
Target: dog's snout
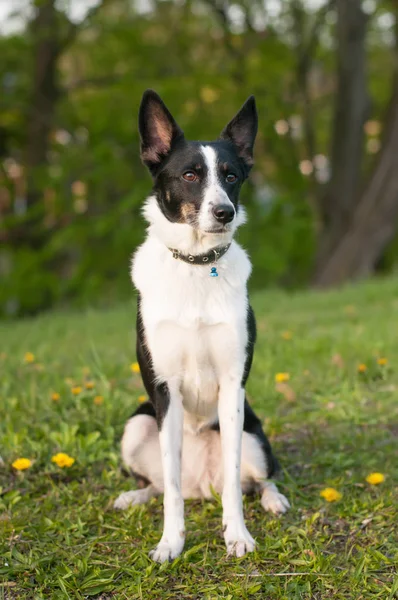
x=224, y=213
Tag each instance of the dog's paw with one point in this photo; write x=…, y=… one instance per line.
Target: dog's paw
x=238, y=540
x=130, y=498
x=273, y=501
x=166, y=550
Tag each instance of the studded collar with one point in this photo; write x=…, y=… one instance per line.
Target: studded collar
x=207, y=258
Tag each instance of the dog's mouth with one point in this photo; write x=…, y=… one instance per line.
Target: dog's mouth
x=216, y=229
x=219, y=229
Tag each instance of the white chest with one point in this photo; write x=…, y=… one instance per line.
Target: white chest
x=195, y=325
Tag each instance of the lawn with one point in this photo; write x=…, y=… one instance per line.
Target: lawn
x=330, y=423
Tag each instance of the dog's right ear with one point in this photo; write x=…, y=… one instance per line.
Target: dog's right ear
x=158, y=130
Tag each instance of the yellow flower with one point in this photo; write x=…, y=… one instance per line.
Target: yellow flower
x=89, y=385
x=287, y=335
x=330, y=494
x=142, y=398
x=281, y=377
x=382, y=361
x=76, y=390
x=98, y=400
x=375, y=478
x=135, y=367
x=362, y=368
x=29, y=357
x=21, y=464
x=55, y=396
x=62, y=460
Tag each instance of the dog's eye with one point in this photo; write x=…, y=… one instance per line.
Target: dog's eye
x=231, y=178
x=190, y=176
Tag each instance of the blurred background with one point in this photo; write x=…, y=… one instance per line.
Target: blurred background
x=323, y=196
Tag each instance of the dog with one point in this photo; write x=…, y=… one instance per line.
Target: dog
x=196, y=333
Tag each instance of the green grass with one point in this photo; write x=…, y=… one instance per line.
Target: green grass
x=60, y=537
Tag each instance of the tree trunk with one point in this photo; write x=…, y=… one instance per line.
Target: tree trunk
x=359, y=221
x=44, y=95
x=374, y=220
x=351, y=109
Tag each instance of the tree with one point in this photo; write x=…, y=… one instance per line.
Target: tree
x=359, y=213
x=69, y=99
x=50, y=35
x=355, y=213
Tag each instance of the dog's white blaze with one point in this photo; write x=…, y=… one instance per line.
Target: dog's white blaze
x=214, y=193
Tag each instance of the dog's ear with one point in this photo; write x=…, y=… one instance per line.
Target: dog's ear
x=158, y=130
x=242, y=131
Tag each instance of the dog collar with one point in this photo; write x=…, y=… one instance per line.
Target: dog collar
x=212, y=256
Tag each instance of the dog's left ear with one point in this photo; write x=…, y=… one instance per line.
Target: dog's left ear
x=158, y=130
x=242, y=131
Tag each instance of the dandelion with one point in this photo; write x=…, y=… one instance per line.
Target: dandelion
x=330, y=495
x=29, y=357
x=62, y=460
x=382, y=361
x=21, y=464
x=282, y=377
x=375, y=478
x=55, y=397
x=362, y=368
x=89, y=385
x=98, y=400
x=141, y=399
x=287, y=335
x=76, y=390
x=135, y=367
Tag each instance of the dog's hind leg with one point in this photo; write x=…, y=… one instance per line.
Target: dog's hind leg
x=141, y=454
x=259, y=464
x=254, y=474
x=272, y=500
x=133, y=497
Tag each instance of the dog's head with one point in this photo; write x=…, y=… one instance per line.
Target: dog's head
x=197, y=183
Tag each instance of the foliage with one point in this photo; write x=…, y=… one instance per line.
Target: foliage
x=60, y=537
x=93, y=187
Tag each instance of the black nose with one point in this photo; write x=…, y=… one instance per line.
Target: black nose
x=224, y=213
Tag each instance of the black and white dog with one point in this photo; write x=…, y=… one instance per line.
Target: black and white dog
x=196, y=333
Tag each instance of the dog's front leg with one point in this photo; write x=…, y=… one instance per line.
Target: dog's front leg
x=231, y=412
x=170, y=418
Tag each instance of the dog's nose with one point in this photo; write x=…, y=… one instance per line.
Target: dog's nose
x=224, y=213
